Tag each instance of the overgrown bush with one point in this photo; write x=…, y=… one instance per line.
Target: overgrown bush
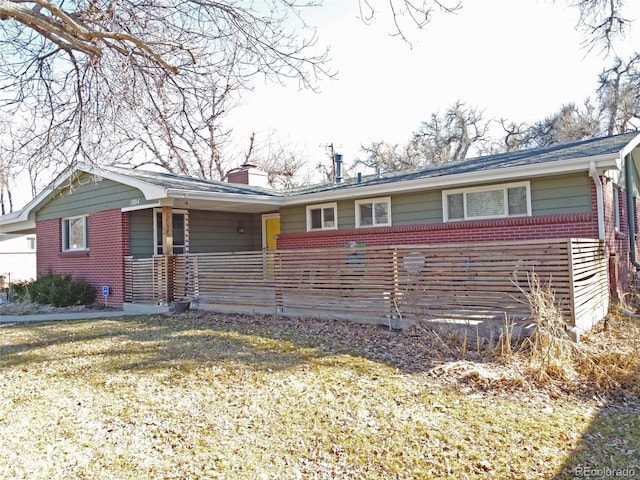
x=57, y=290
x=19, y=293
x=605, y=360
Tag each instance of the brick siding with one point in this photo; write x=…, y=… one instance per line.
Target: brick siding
x=101, y=265
x=521, y=228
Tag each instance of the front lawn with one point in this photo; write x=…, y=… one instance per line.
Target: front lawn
x=233, y=397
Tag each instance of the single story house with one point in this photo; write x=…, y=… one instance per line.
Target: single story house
x=90, y=219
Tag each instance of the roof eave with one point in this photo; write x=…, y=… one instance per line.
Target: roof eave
x=17, y=226
x=149, y=190
x=269, y=200
x=26, y=215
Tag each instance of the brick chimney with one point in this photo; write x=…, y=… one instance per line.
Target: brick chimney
x=248, y=174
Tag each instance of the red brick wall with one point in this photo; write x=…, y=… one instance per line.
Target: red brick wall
x=101, y=265
x=621, y=270
x=521, y=228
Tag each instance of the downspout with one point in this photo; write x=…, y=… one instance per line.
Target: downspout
x=599, y=199
x=631, y=214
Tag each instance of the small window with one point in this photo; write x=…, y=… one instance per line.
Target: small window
x=75, y=233
x=322, y=217
x=495, y=201
x=31, y=243
x=373, y=212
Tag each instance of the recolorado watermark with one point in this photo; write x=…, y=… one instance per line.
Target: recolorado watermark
x=598, y=471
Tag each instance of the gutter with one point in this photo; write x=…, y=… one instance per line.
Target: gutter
x=593, y=172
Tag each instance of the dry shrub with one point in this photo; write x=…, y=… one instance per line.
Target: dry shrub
x=607, y=360
x=550, y=352
x=612, y=354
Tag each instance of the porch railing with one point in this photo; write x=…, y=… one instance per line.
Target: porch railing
x=382, y=284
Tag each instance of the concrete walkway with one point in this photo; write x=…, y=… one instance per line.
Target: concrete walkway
x=84, y=315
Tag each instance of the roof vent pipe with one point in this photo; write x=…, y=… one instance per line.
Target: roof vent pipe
x=337, y=158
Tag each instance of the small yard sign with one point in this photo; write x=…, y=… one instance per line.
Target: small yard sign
x=105, y=293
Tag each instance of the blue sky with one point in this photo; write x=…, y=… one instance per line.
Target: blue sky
x=516, y=60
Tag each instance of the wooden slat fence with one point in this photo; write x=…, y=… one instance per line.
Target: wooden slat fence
x=236, y=281
x=486, y=281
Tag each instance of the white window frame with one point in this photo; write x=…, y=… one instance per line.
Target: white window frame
x=158, y=235
x=616, y=207
x=485, y=188
x=321, y=207
x=66, y=234
x=373, y=202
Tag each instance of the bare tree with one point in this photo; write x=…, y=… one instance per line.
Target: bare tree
x=408, y=13
x=384, y=157
x=443, y=138
x=183, y=131
x=603, y=22
x=619, y=95
x=83, y=70
x=162, y=71
x=81, y=67
x=448, y=137
x=515, y=136
x=569, y=124
x=283, y=162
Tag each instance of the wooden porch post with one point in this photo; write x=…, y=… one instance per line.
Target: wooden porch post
x=167, y=231
x=167, y=250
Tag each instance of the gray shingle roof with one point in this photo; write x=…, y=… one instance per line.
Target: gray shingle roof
x=536, y=156
x=583, y=149
x=168, y=180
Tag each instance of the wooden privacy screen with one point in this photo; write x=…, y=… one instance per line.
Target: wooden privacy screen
x=383, y=284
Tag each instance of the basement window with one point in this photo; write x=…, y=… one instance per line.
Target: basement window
x=75, y=233
x=322, y=217
x=374, y=212
x=494, y=201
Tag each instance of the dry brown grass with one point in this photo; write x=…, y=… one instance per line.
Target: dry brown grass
x=606, y=361
x=232, y=397
x=243, y=397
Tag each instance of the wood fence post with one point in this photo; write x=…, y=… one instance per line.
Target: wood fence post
x=572, y=289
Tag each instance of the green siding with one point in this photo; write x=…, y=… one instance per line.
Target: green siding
x=560, y=194
x=208, y=232
x=88, y=195
x=416, y=208
x=293, y=219
x=218, y=232
x=346, y=214
x=141, y=233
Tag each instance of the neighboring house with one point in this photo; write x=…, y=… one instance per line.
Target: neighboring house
x=17, y=258
x=88, y=220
